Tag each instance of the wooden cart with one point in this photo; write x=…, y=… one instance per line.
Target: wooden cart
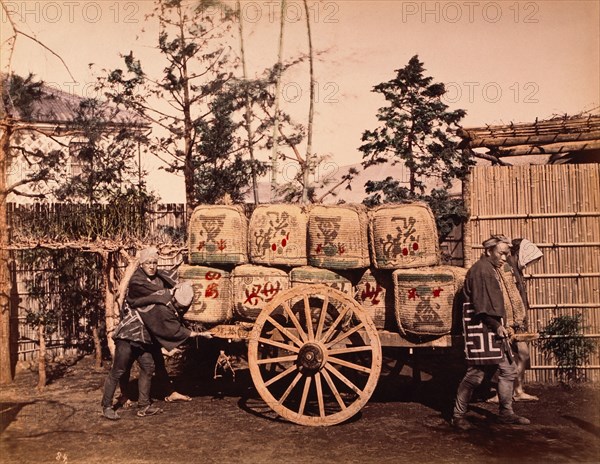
x=315, y=355
x=314, y=351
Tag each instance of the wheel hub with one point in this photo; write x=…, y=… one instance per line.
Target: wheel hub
x=311, y=358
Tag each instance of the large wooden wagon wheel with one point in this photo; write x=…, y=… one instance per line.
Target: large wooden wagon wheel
x=314, y=355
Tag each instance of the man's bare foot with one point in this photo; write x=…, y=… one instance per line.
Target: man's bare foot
x=177, y=397
x=524, y=397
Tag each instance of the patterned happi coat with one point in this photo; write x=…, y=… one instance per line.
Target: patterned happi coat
x=483, y=312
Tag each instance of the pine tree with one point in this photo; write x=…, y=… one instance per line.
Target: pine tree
x=416, y=130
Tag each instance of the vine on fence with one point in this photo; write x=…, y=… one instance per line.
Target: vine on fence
x=74, y=257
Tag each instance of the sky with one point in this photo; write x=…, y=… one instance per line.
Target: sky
x=502, y=61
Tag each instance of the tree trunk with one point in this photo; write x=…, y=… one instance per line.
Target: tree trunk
x=114, y=294
x=6, y=373
x=311, y=112
x=274, y=155
x=248, y=115
x=97, y=348
x=111, y=317
x=42, y=357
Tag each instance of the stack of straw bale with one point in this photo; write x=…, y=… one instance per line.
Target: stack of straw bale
x=338, y=237
x=313, y=275
x=218, y=234
x=426, y=298
x=403, y=236
x=277, y=235
x=254, y=287
x=212, y=294
x=375, y=293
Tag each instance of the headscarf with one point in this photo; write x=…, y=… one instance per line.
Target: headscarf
x=147, y=254
x=495, y=240
x=528, y=252
x=184, y=293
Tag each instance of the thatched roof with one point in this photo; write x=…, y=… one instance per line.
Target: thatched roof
x=557, y=137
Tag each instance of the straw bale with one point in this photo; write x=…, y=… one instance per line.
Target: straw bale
x=426, y=299
x=212, y=294
x=313, y=275
x=375, y=293
x=218, y=234
x=254, y=287
x=337, y=237
x=278, y=235
x=403, y=236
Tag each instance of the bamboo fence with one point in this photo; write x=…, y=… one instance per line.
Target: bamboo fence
x=557, y=207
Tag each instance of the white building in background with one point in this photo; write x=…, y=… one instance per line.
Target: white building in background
x=51, y=122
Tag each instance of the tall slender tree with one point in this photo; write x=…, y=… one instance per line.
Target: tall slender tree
x=191, y=101
x=416, y=129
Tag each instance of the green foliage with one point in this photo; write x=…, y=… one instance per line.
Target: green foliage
x=37, y=168
x=562, y=340
x=218, y=168
x=64, y=293
x=197, y=102
x=416, y=130
x=106, y=157
x=20, y=94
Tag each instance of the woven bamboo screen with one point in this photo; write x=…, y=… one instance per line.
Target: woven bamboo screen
x=557, y=207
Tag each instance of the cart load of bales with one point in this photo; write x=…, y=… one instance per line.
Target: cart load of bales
x=387, y=258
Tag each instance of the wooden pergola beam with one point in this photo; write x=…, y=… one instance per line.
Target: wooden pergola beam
x=565, y=125
x=550, y=149
x=508, y=141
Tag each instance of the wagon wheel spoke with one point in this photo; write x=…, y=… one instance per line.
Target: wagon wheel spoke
x=268, y=341
x=322, y=316
x=280, y=376
x=280, y=359
x=285, y=331
x=334, y=389
x=341, y=376
x=290, y=388
x=319, y=389
x=350, y=365
x=304, y=395
x=314, y=355
x=354, y=349
x=333, y=326
x=308, y=315
x=295, y=321
x=345, y=335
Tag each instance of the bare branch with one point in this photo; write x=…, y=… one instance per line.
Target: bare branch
x=17, y=31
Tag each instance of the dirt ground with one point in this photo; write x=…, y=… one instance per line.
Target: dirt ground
x=405, y=421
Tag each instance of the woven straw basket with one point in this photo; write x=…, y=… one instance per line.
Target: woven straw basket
x=375, y=293
x=218, y=235
x=425, y=298
x=337, y=237
x=277, y=235
x=403, y=236
x=254, y=287
x=212, y=294
x=312, y=275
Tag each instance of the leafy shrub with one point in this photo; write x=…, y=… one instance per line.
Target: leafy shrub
x=562, y=340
